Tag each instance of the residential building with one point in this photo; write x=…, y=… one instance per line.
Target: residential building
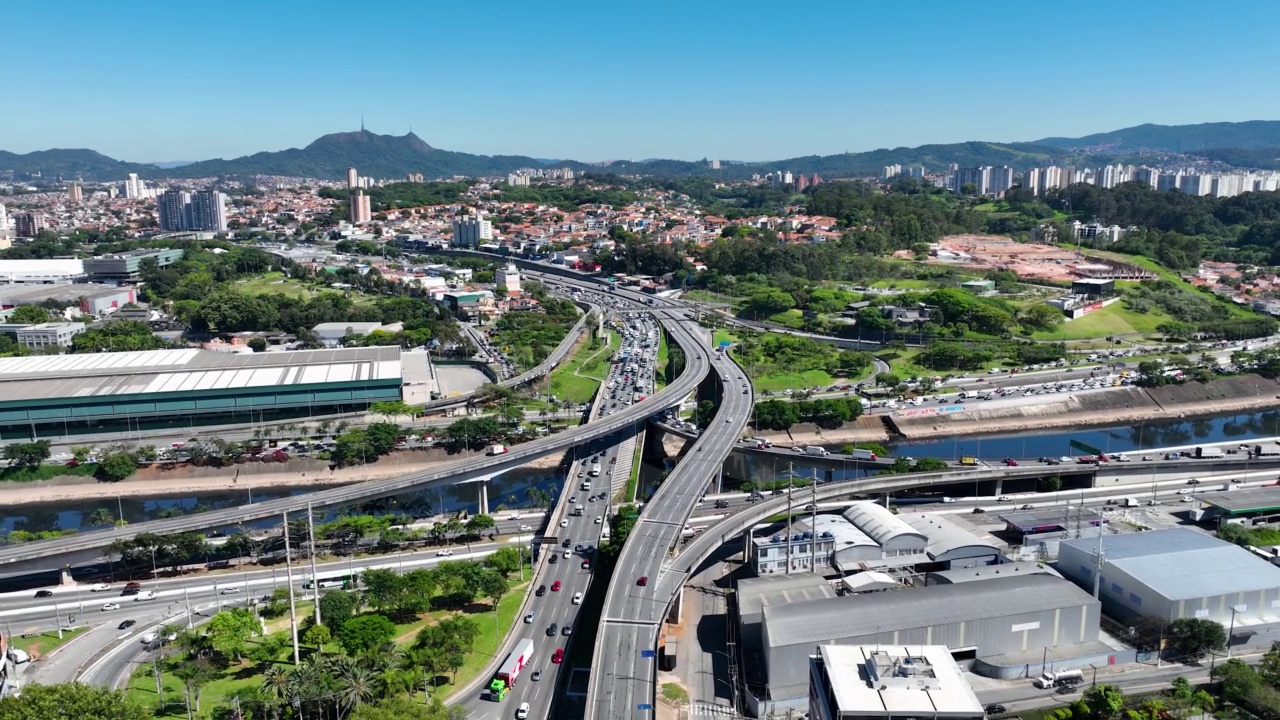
x=413, y=177
x=889, y=682
x=208, y=211
x=75, y=194
x=29, y=224
x=1150, y=176
x=361, y=211
x=470, y=231
x=134, y=189
x=39, y=337
x=508, y=278
x=713, y=164
x=4, y=222
x=171, y=207
x=353, y=178
x=999, y=180
x=891, y=171
x=518, y=179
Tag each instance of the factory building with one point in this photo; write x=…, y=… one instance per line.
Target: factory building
x=755, y=594
x=87, y=298
x=884, y=682
x=1176, y=573
x=996, y=626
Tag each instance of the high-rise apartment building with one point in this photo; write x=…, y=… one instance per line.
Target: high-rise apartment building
x=802, y=182
x=1032, y=181
x=75, y=194
x=999, y=180
x=4, y=222
x=518, y=179
x=471, y=231
x=29, y=224
x=134, y=189
x=353, y=178
x=713, y=164
x=890, y=171
x=361, y=212
x=413, y=177
x=1149, y=176
x=204, y=211
x=508, y=278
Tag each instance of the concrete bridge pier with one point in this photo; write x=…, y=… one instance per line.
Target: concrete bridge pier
x=64, y=577
x=999, y=487
x=675, y=610
x=484, y=497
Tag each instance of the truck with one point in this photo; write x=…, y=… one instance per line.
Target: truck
x=761, y=443
x=1266, y=450
x=1059, y=678
x=595, y=469
x=1209, y=453
x=816, y=451
x=1129, y=502
x=859, y=454
x=968, y=460
x=510, y=670
x=496, y=450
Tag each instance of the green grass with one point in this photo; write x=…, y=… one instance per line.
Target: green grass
x=723, y=335
x=794, y=381
x=38, y=646
x=633, y=482
x=45, y=472
x=578, y=379
x=275, y=283
x=904, y=284
x=675, y=693
x=1114, y=319
x=793, y=319
x=660, y=365
x=489, y=639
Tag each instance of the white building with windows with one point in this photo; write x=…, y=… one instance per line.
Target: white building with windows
x=870, y=682
x=51, y=334
x=472, y=230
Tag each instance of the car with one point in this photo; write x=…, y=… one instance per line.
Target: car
x=229, y=591
x=1011, y=462
x=44, y=593
x=567, y=631
x=996, y=709
x=126, y=624
x=555, y=586
x=728, y=420
x=100, y=587
x=110, y=606
x=642, y=580
x=564, y=523
x=1004, y=498
x=1067, y=689
x=1066, y=459
x=536, y=676
x=586, y=564
x=149, y=638
x=567, y=542
x=567, y=554
x=577, y=598
x=721, y=504
x=446, y=552
x=1027, y=507
x=1172, y=456
x=551, y=630
x=525, y=528
x=522, y=712
x=597, y=519
x=557, y=657
x=553, y=559
x=978, y=511
x=1187, y=498
x=542, y=590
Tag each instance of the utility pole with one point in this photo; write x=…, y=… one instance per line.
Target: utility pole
x=311, y=546
x=790, y=471
x=813, y=523
x=293, y=609
x=1099, y=558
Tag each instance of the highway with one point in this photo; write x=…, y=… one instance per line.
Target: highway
x=88, y=543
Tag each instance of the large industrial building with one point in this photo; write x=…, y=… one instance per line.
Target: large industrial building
x=1007, y=616
x=1175, y=573
x=862, y=682
x=56, y=395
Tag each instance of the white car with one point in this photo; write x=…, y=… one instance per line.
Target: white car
x=229, y=591
x=577, y=598
x=525, y=528
x=444, y=553
x=564, y=523
x=147, y=595
x=100, y=587
x=110, y=606
x=149, y=638
x=597, y=519
x=522, y=712
x=528, y=619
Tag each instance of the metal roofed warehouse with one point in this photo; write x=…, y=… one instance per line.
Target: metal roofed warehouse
x=106, y=392
x=1176, y=573
x=978, y=619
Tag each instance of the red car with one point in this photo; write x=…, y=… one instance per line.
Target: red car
x=1011, y=462
x=644, y=580
x=557, y=657
x=555, y=586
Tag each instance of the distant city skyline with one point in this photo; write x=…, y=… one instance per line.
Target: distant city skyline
x=678, y=80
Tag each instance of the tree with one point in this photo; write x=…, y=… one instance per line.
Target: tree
x=889, y=379
x=195, y=674
x=336, y=607
x=363, y=633
x=1104, y=701
x=116, y=466
x=29, y=315
x=229, y=631
x=505, y=560
x=382, y=589
x=71, y=700
x=1238, y=680
x=477, y=524
x=317, y=635
x=1194, y=637
x=30, y=454
x=101, y=516
x=493, y=586
x=1041, y=317
x=258, y=344
x=399, y=708
x=1269, y=668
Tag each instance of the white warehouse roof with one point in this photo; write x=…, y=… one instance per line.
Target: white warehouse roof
x=880, y=524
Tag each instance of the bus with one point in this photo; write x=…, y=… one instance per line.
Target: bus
x=345, y=582
x=595, y=469
x=507, y=674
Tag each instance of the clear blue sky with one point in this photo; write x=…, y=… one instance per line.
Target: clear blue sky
x=750, y=80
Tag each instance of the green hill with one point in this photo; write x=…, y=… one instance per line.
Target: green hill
x=1251, y=135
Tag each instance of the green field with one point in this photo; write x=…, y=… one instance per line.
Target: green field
x=275, y=283
x=38, y=646
x=660, y=364
x=578, y=379
x=794, y=381
x=904, y=284
x=1114, y=319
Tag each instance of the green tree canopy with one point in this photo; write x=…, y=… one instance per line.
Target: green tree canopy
x=365, y=632
x=72, y=701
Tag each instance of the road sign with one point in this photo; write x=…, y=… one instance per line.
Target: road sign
x=644, y=706
x=648, y=653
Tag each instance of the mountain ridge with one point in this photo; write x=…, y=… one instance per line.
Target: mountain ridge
x=389, y=156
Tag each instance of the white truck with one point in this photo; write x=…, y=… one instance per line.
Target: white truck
x=496, y=450
x=1210, y=452
x=1129, y=502
x=595, y=469
x=858, y=454
x=816, y=451
x=1057, y=679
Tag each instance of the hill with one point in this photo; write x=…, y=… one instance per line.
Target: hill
x=71, y=164
x=381, y=156
x=1251, y=135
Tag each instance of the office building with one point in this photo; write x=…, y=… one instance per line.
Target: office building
x=171, y=209
x=361, y=211
x=134, y=189
x=204, y=211
x=472, y=230
x=508, y=278
x=75, y=194
x=889, y=682
x=126, y=267
x=50, y=334
x=353, y=178
x=29, y=224
x=1172, y=574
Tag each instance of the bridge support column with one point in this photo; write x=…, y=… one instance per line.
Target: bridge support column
x=484, y=497
x=677, y=607
x=64, y=577
x=746, y=546
x=999, y=488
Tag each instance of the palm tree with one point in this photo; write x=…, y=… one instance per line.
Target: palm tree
x=195, y=674
x=356, y=683
x=101, y=516
x=276, y=687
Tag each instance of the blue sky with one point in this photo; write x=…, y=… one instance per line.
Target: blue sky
x=154, y=81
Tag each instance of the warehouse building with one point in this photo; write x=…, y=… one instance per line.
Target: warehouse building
x=860, y=682
x=41, y=271
x=1176, y=573
x=755, y=594
x=977, y=620
x=1246, y=506
x=50, y=396
x=89, y=298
